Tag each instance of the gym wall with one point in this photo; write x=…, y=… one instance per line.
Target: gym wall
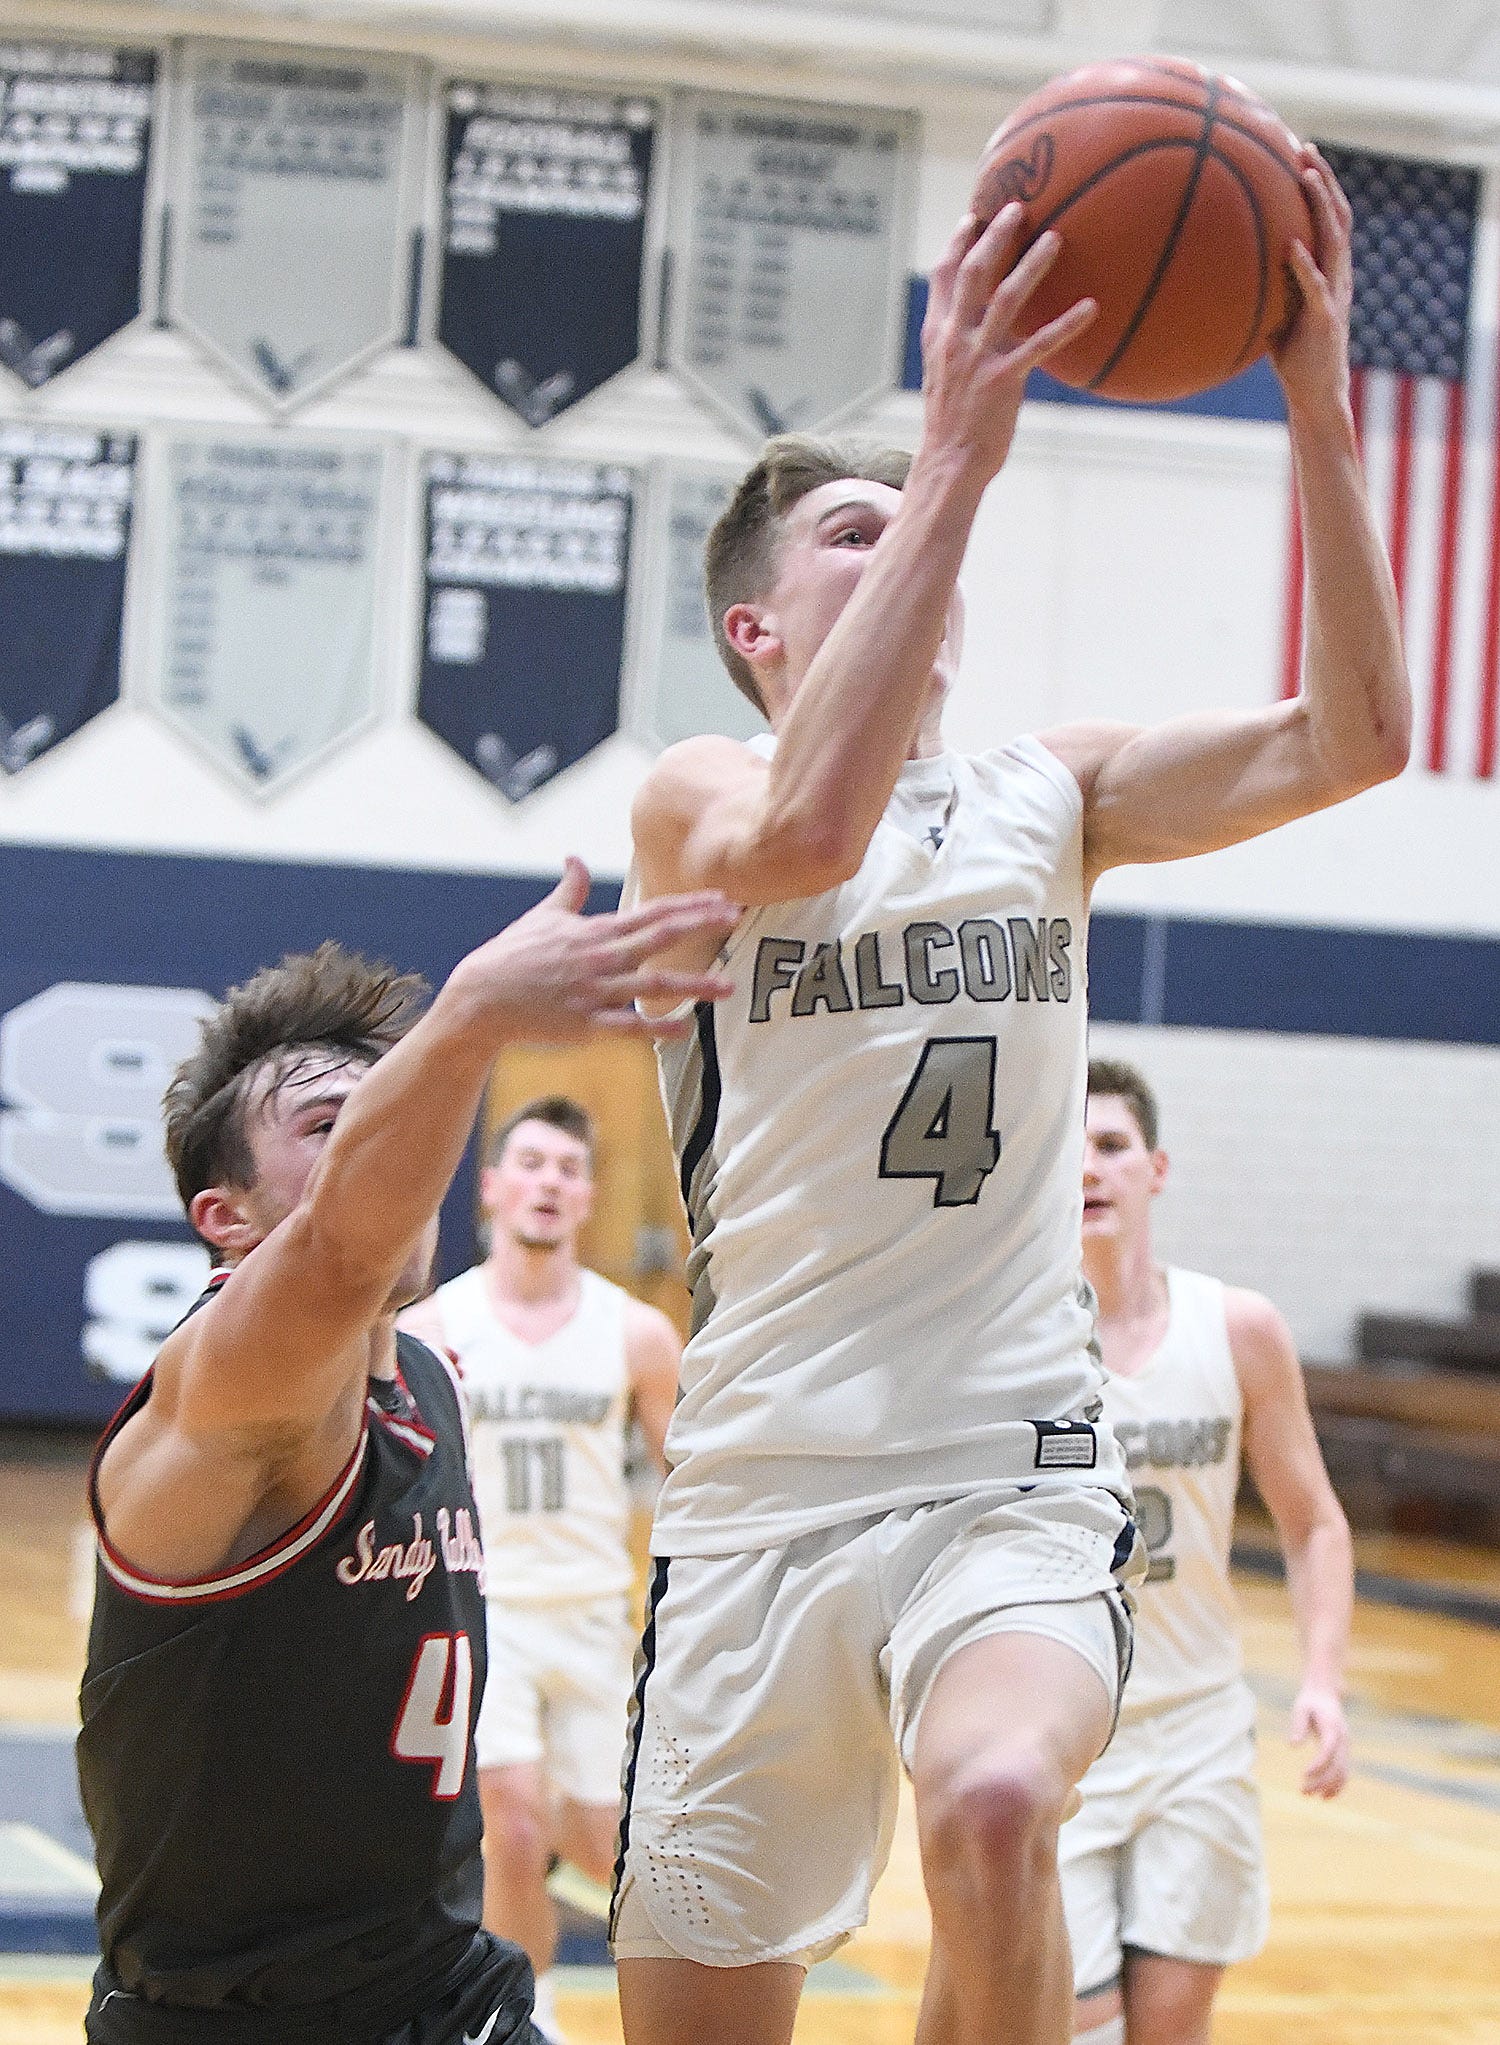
x=1130, y=564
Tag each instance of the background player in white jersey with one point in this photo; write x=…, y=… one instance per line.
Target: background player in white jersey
x=1162, y=1869
x=556, y=1361
x=889, y=1525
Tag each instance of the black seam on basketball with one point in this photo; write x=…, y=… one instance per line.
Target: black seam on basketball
x=1097, y=177
x=1263, y=257
x=1184, y=207
x=1176, y=106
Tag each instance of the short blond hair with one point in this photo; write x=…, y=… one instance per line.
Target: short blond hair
x=739, y=561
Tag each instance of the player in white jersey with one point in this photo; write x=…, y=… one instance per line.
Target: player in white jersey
x=1162, y=1869
x=555, y=1361
x=890, y=1526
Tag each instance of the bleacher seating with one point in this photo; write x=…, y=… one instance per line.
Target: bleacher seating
x=1411, y=1432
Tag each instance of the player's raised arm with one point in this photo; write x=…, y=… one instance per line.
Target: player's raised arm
x=842, y=619
x=1282, y=1453
x=327, y=1224
x=1197, y=783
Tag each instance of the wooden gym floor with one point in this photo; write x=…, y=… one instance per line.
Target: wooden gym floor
x=1386, y=1904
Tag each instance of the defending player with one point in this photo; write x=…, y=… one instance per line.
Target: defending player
x=555, y=1361
x=287, y=1650
x=890, y=1524
x=1162, y=1871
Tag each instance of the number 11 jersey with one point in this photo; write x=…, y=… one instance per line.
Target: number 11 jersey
x=548, y=1422
x=880, y=1137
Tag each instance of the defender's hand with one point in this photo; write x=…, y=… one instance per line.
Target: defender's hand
x=1318, y=1714
x=974, y=362
x=555, y=976
x=1312, y=359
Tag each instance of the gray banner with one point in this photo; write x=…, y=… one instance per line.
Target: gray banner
x=268, y=599
x=290, y=256
x=682, y=687
x=789, y=229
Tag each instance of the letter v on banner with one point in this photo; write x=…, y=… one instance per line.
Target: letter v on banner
x=1426, y=395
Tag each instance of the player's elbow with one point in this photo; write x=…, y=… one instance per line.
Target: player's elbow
x=1391, y=748
x=786, y=859
x=821, y=855
x=814, y=844
x=1362, y=754
x=805, y=868
x=1382, y=747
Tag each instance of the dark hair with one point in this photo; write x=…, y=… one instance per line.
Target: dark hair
x=328, y=1003
x=1114, y=1076
x=739, y=561
x=558, y=1112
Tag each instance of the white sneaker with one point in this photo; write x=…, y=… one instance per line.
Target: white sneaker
x=544, y=2010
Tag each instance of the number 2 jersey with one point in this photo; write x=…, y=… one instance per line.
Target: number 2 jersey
x=275, y=1759
x=1178, y=1423
x=880, y=1136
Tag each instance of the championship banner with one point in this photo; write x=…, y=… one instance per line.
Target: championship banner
x=789, y=233
x=65, y=502
x=75, y=130
x=290, y=250
x=524, y=611
x=681, y=686
x=543, y=239
x=266, y=599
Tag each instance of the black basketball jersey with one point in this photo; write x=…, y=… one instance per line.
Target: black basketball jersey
x=277, y=1761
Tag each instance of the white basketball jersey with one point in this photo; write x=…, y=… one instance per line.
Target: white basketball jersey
x=548, y=1421
x=1178, y=1423
x=880, y=1134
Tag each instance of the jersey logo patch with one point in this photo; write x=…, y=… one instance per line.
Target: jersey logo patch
x=1065, y=1445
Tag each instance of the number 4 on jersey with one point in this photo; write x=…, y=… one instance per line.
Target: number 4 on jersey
x=442, y=1672
x=942, y=1129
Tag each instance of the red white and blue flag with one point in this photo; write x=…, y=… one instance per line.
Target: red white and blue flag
x=1426, y=403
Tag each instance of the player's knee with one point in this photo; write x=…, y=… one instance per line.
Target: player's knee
x=996, y=1814
x=594, y=1844
x=518, y=1831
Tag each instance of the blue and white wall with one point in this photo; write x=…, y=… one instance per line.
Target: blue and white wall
x=1332, y=1093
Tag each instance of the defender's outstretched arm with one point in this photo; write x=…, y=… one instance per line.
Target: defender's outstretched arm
x=257, y=1402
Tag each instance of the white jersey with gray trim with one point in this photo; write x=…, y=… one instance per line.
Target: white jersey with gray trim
x=880, y=1137
x=1178, y=1421
x=548, y=1423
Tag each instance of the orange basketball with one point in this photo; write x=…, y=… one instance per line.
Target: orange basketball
x=1177, y=196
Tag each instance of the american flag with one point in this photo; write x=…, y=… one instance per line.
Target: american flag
x=1427, y=407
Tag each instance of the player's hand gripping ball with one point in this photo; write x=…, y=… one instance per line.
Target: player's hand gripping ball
x=1177, y=196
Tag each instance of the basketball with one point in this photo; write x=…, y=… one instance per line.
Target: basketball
x=1177, y=196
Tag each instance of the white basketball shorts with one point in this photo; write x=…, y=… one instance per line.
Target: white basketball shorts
x=1165, y=1854
x=778, y=1691
x=558, y=1685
